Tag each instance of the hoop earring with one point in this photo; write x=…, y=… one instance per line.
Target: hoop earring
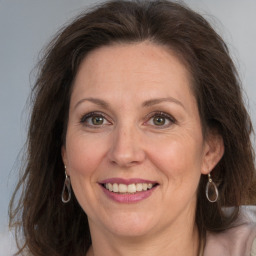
x=66, y=191
x=212, y=193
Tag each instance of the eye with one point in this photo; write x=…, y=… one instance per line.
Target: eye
x=94, y=119
x=97, y=120
x=160, y=119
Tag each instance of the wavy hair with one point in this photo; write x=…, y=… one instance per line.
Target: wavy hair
x=49, y=227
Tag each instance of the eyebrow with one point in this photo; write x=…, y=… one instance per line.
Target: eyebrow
x=98, y=102
x=152, y=102
x=147, y=103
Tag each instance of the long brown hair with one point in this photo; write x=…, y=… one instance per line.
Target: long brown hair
x=48, y=226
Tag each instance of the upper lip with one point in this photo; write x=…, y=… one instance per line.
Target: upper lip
x=126, y=181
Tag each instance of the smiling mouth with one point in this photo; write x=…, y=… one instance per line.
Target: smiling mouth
x=128, y=189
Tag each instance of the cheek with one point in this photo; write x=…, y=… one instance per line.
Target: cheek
x=83, y=155
x=179, y=157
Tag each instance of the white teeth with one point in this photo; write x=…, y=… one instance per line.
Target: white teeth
x=115, y=188
x=122, y=188
x=139, y=187
x=150, y=186
x=131, y=188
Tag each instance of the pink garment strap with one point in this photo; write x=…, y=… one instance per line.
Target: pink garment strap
x=237, y=240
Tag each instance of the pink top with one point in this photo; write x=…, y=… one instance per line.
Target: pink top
x=237, y=240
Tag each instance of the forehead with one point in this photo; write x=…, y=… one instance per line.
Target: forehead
x=137, y=64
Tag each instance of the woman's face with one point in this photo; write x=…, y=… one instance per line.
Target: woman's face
x=134, y=145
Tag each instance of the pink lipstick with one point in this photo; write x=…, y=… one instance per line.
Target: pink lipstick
x=128, y=190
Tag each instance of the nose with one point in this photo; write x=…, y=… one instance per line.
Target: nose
x=126, y=147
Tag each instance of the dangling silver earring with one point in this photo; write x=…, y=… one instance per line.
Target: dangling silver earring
x=66, y=191
x=211, y=191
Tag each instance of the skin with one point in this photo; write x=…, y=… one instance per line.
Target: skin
x=129, y=144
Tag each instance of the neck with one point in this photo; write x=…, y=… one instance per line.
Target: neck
x=168, y=242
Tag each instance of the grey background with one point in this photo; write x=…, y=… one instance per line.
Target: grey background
x=25, y=28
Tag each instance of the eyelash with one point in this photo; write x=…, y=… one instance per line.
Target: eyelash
x=164, y=115
x=84, y=119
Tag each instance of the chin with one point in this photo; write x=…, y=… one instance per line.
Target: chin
x=131, y=225
x=129, y=231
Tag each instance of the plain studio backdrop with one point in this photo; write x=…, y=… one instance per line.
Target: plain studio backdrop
x=25, y=28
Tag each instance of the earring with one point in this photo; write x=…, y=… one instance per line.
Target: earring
x=211, y=191
x=66, y=191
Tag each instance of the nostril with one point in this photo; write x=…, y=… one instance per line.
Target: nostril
x=124, y=162
x=126, y=148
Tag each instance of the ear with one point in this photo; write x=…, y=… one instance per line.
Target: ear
x=213, y=151
x=64, y=155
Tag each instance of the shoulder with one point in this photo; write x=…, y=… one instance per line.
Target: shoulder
x=253, y=252
x=238, y=240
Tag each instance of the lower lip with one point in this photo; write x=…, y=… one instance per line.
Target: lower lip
x=129, y=198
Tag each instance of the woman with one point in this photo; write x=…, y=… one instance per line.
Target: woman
x=139, y=141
